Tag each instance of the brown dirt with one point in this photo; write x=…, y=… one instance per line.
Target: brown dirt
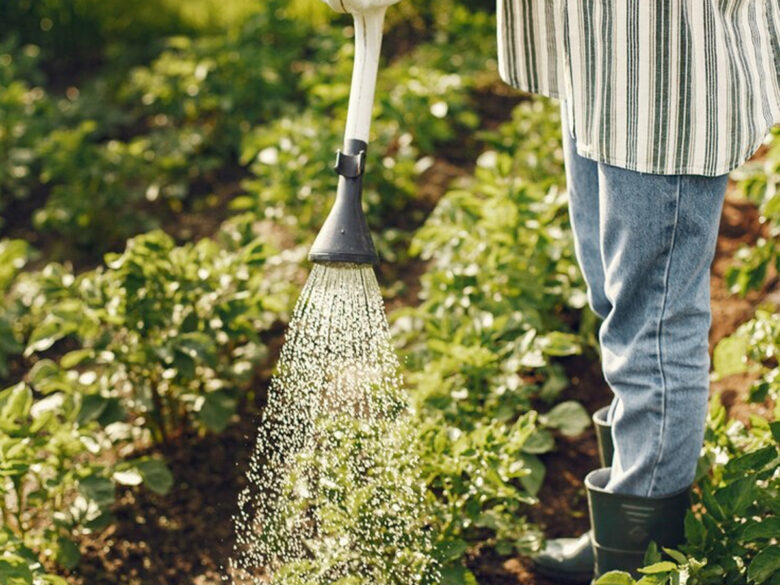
x=145, y=545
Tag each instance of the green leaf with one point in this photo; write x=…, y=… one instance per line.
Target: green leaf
x=676, y=555
x=750, y=462
x=216, y=410
x=615, y=578
x=452, y=550
x=654, y=579
x=92, y=406
x=764, y=565
x=569, y=417
x=534, y=480
x=68, y=554
x=541, y=441
x=113, y=412
x=729, y=356
x=760, y=529
x=560, y=344
x=15, y=404
x=457, y=575
x=46, y=376
x=99, y=489
x=157, y=476
x=74, y=358
x=775, y=427
x=51, y=330
x=14, y=571
x=695, y=532
x=662, y=567
x=652, y=554
x=735, y=497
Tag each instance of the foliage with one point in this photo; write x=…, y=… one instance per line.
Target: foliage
x=481, y=345
x=496, y=290
x=172, y=334
x=760, y=183
x=53, y=485
x=753, y=348
x=162, y=338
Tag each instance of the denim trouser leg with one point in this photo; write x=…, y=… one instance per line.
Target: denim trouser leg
x=645, y=244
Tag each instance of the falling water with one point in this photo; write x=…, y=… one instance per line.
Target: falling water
x=334, y=494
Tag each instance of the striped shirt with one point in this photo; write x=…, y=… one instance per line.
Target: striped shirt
x=658, y=86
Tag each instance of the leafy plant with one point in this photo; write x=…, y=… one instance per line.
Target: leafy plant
x=482, y=344
x=760, y=183
x=52, y=483
x=173, y=333
x=753, y=348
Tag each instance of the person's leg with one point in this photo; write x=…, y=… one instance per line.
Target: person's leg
x=582, y=185
x=657, y=240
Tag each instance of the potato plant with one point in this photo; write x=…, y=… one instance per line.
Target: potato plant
x=760, y=183
x=53, y=485
x=482, y=344
x=170, y=332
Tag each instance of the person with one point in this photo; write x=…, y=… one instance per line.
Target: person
x=660, y=100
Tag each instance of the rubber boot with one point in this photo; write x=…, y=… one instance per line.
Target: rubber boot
x=623, y=525
x=571, y=560
x=604, y=436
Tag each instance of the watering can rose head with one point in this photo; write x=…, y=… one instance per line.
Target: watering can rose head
x=358, y=6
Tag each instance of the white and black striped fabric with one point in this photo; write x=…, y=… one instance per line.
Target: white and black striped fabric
x=658, y=86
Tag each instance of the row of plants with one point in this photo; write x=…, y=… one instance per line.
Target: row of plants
x=159, y=341
x=254, y=105
x=163, y=338
x=500, y=286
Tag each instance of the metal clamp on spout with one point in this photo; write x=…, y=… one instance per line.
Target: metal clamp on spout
x=350, y=166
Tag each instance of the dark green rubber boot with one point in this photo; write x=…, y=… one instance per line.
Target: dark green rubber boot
x=571, y=560
x=623, y=526
x=604, y=436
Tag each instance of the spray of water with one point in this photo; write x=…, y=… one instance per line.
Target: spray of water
x=334, y=494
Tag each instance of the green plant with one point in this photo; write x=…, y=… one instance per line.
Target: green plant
x=495, y=293
x=753, y=348
x=172, y=332
x=14, y=256
x=759, y=182
x=53, y=485
x=482, y=344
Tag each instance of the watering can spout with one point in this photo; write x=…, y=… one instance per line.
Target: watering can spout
x=345, y=236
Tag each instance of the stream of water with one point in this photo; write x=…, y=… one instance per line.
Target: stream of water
x=334, y=490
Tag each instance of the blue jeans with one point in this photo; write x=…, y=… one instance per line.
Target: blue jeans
x=645, y=244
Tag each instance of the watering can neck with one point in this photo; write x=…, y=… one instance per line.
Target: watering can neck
x=368, y=44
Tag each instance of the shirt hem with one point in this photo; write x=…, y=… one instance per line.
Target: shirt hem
x=688, y=170
x=550, y=93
